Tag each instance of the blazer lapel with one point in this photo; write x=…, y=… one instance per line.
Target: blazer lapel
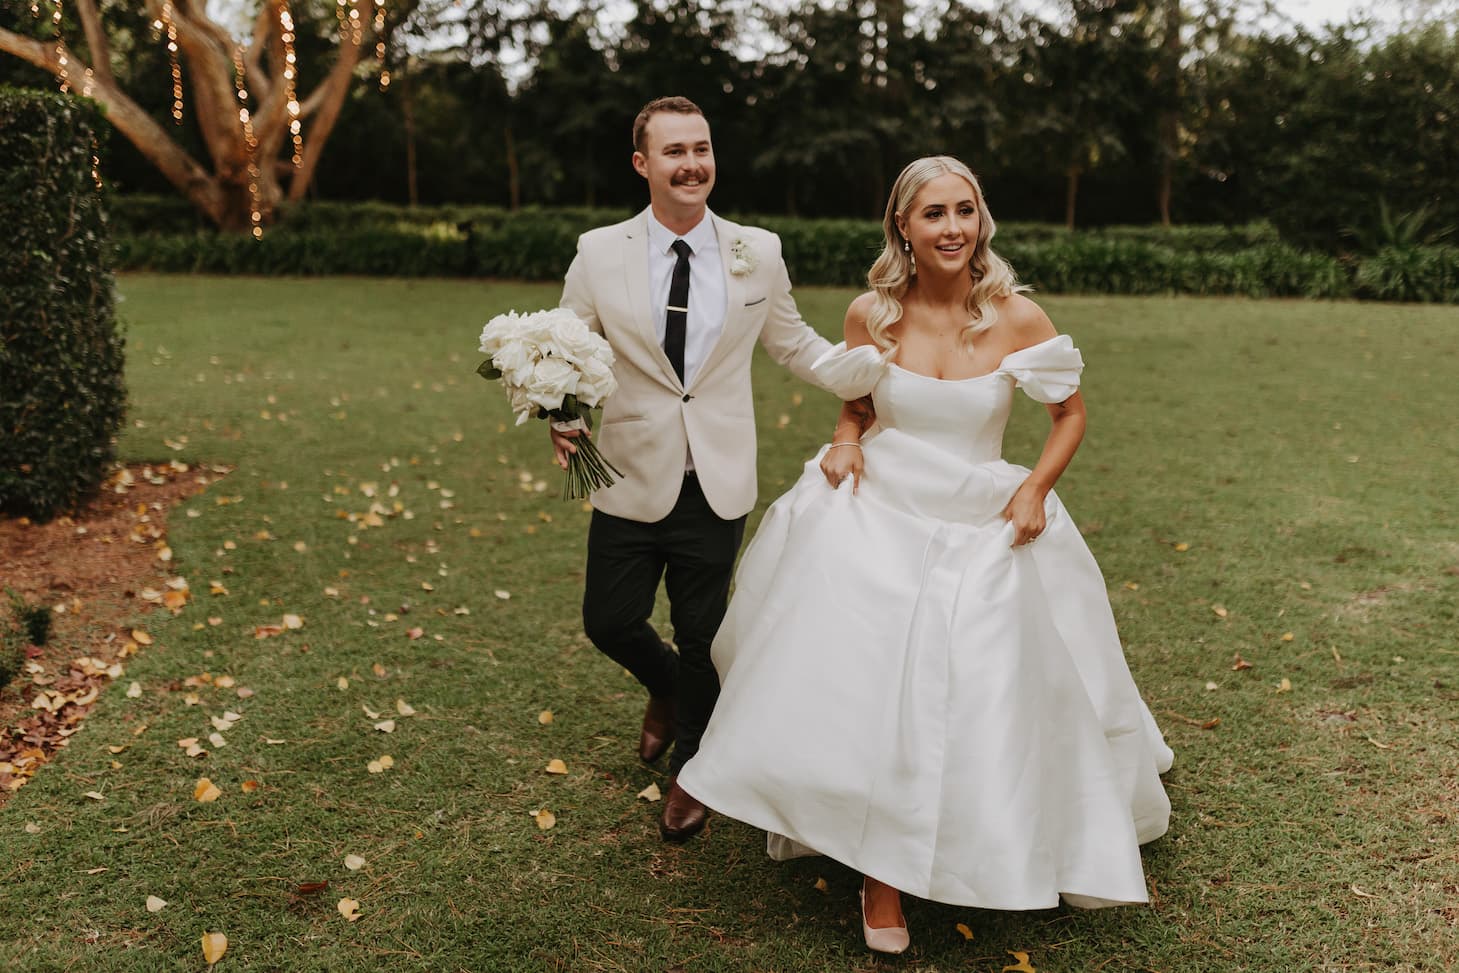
x=635, y=277
x=726, y=234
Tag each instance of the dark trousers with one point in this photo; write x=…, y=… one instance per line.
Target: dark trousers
x=693, y=550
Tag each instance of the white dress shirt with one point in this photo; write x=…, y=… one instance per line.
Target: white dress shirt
x=707, y=294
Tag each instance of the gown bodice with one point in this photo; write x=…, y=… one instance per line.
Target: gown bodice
x=963, y=418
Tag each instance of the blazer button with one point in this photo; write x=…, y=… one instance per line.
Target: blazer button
x=687, y=396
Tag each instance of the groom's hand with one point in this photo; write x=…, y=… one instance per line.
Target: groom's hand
x=563, y=445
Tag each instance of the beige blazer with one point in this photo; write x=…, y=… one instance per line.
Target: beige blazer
x=652, y=419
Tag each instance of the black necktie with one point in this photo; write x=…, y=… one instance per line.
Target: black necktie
x=678, y=309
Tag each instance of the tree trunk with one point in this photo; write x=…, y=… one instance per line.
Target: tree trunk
x=1170, y=111
x=1071, y=193
x=207, y=52
x=407, y=110
x=514, y=185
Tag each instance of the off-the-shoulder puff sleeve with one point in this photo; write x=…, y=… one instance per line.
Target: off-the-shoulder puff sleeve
x=1047, y=372
x=850, y=372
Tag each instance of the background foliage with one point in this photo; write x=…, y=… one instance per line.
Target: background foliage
x=60, y=351
x=1090, y=111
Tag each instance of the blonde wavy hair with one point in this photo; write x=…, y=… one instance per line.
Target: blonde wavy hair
x=892, y=272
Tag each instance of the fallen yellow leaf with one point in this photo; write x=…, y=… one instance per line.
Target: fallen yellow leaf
x=544, y=717
x=96, y=795
x=154, y=904
x=293, y=621
x=1022, y=966
x=1285, y=686
x=1220, y=610
x=1181, y=547
x=651, y=793
x=134, y=690
x=141, y=637
x=386, y=726
x=215, y=944
x=967, y=933
x=206, y=791
x=248, y=786
x=349, y=908
x=354, y=862
x=556, y=767
x=545, y=819
x=821, y=885
x=1288, y=636
x=404, y=708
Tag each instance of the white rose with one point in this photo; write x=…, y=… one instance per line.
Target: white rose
x=552, y=378
x=597, y=382
x=520, y=404
x=573, y=341
x=515, y=359
x=498, y=330
x=536, y=328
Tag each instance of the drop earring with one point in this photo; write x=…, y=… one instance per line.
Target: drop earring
x=907, y=249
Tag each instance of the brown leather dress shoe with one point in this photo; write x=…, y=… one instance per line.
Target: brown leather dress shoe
x=683, y=817
x=658, y=728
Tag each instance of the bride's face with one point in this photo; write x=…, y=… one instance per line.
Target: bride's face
x=942, y=224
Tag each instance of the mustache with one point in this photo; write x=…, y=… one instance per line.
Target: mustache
x=698, y=174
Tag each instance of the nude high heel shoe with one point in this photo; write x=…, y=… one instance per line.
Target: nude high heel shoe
x=891, y=939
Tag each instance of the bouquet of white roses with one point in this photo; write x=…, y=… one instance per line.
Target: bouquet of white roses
x=553, y=366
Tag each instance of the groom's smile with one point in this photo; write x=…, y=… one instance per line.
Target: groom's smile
x=677, y=160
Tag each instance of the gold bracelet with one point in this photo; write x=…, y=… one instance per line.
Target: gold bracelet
x=834, y=445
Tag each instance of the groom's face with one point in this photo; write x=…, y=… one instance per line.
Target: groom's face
x=677, y=160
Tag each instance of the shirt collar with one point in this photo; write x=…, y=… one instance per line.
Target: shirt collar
x=701, y=238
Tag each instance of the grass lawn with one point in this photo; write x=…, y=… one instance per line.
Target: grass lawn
x=1268, y=479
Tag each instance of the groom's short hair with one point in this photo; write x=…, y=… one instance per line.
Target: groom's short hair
x=676, y=104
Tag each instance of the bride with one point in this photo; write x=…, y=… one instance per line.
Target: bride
x=920, y=672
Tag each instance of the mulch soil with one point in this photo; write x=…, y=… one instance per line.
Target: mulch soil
x=100, y=570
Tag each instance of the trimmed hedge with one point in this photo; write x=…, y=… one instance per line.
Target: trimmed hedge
x=62, y=397
x=1428, y=274
x=538, y=244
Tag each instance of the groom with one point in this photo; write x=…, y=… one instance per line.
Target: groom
x=681, y=295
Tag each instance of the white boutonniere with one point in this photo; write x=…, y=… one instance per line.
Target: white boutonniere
x=744, y=261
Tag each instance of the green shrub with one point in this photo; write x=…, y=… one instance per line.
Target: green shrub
x=538, y=244
x=1429, y=274
x=62, y=396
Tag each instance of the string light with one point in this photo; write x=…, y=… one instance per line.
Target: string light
x=95, y=163
x=168, y=24
x=62, y=62
x=291, y=94
x=380, y=43
x=356, y=31
x=251, y=141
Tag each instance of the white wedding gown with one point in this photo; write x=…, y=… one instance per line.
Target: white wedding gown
x=909, y=695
